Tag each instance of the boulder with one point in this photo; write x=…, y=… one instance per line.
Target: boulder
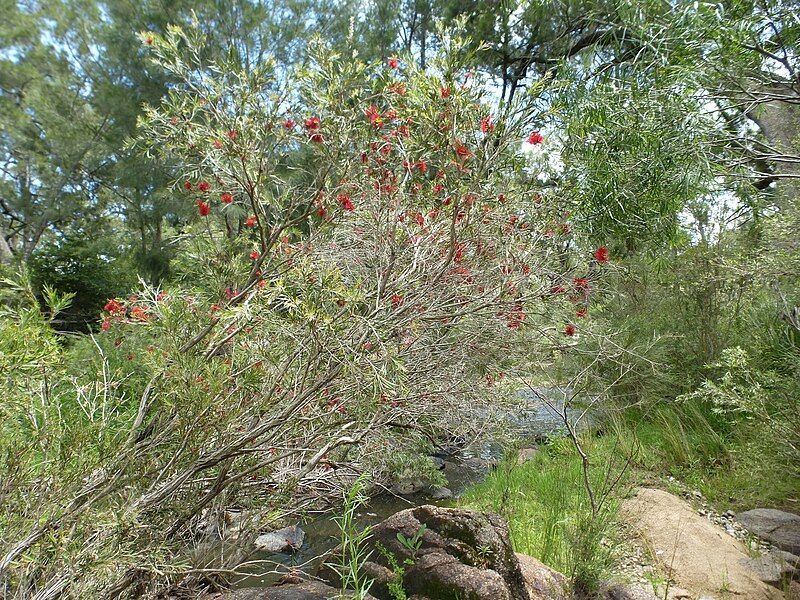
x=526, y=454
x=461, y=554
x=288, y=539
x=440, y=493
x=542, y=582
x=692, y=551
x=773, y=567
x=307, y=590
x=776, y=526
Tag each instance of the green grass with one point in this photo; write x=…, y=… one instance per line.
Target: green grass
x=733, y=467
x=549, y=511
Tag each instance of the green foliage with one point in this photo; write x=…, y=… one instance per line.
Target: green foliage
x=90, y=268
x=353, y=543
x=549, y=511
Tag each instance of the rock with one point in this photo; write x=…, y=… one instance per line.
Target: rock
x=461, y=554
x=772, y=567
x=407, y=487
x=287, y=539
x=438, y=462
x=542, y=582
x=776, y=526
x=699, y=556
x=526, y=454
x=441, y=493
x=307, y=590
x=793, y=593
x=628, y=591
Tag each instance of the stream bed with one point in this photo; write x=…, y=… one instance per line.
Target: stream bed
x=530, y=421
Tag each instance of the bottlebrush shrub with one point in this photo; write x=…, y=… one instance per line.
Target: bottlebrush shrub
x=367, y=258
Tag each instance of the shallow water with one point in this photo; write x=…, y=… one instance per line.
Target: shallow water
x=530, y=421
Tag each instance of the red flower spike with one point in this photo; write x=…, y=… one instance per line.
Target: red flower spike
x=204, y=186
x=217, y=144
x=316, y=138
x=289, y=123
x=601, y=255
x=570, y=330
x=232, y=134
x=187, y=185
x=444, y=92
x=203, y=208
x=255, y=255
x=345, y=201
x=227, y=198
x=312, y=123
x=251, y=221
x=487, y=124
x=393, y=63
x=397, y=300
x=106, y=325
x=462, y=151
x=535, y=138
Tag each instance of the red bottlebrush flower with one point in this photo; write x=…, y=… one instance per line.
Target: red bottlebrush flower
x=570, y=330
x=218, y=144
x=505, y=269
x=251, y=221
x=487, y=124
x=312, y=123
x=373, y=116
x=581, y=283
x=526, y=269
x=316, y=138
x=393, y=63
x=161, y=296
x=433, y=213
x=232, y=134
x=204, y=186
x=535, y=138
x=398, y=88
x=227, y=198
x=203, y=208
x=447, y=201
x=581, y=313
x=139, y=313
x=322, y=212
x=462, y=151
x=345, y=201
x=215, y=308
x=187, y=185
x=419, y=219
x=289, y=123
x=397, y=300
x=444, y=91
x=601, y=255
x=557, y=289
x=422, y=166
x=148, y=40
x=438, y=188
x=114, y=306
x=566, y=228
x=364, y=158
x=255, y=255
x=105, y=325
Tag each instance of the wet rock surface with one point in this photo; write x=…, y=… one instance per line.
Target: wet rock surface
x=288, y=539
